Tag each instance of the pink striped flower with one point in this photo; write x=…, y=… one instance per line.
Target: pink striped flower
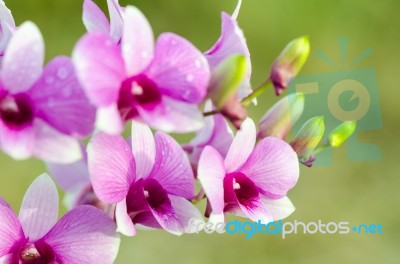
x=85, y=235
x=250, y=181
x=151, y=182
x=160, y=85
x=42, y=111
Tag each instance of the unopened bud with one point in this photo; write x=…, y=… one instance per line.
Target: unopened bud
x=308, y=138
x=226, y=79
x=289, y=63
x=341, y=133
x=279, y=119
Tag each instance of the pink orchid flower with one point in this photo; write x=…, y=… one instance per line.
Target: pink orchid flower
x=231, y=42
x=161, y=86
x=7, y=26
x=151, y=183
x=85, y=235
x=42, y=111
x=96, y=21
x=250, y=181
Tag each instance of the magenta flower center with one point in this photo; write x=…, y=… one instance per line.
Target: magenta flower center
x=137, y=91
x=155, y=194
x=238, y=187
x=36, y=253
x=16, y=110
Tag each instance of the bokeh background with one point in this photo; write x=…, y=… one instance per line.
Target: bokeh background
x=356, y=192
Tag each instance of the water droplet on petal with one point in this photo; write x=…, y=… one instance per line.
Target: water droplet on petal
x=189, y=77
x=197, y=63
x=49, y=79
x=62, y=73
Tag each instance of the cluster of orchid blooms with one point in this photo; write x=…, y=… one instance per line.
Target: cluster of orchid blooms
x=117, y=75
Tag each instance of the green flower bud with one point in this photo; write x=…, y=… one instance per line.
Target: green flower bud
x=289, y=63
x=279, y=119
x=341, y=133
x=308, y=138
x=226, y=78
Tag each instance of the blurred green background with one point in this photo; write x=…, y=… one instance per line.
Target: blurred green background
x=356, y=192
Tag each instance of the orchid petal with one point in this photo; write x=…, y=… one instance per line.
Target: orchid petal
x=39, y=209
x=172, y=168
x=137, y=41
x=23, y=59
x=278, y=208
x=273, y=166
x=19, y=144
x=116, y=23
x=231, y=42
x=124, y=222
x=111, y=167
x=186, y=212
x=72, y=176
x=94, y=19
x=10, y=228
x=53, y=146
x=143, y=148
x=173, y=116
x=6, y=15
x=241, y=147
x=85, y=235
x=108, y=120
x=179, y=69
x=60, y=100
x=211, y=173
x=99, y=67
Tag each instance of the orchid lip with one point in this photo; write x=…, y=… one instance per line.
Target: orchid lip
x=137, y=91
x=16, y=111
x=36, y=253
x=239, y=188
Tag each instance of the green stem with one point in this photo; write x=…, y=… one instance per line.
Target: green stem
x=257, y=92
x=247, y=100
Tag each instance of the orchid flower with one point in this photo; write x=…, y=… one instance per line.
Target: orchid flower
x=160, y=85
x=151, y=183
x=7, y=26
x=231, y=42
x=85, y=235
x=216, y=133
x=42, y=112
x=250, y=182
x=96, y=21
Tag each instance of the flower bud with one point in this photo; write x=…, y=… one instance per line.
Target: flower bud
x=289, y=63
x=226, y=79
x=341, y=133
x=279, y=119
x=234, y=111
x=308, y=138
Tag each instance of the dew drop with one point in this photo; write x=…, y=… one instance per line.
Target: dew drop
x=197, y=63
x=62, y=73
x=49, y=80
x=189, y=77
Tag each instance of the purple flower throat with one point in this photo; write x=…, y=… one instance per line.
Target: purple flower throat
x=16, y=111
x=137, y=90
